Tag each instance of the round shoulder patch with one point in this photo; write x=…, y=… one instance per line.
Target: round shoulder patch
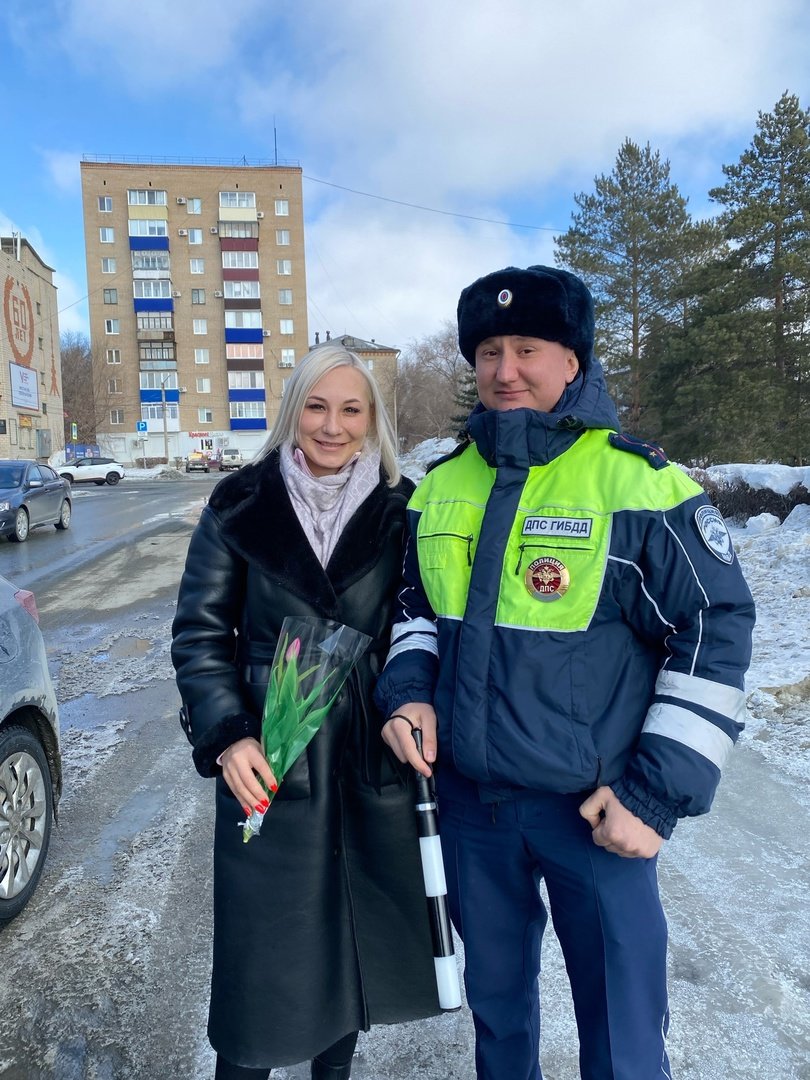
x=714, y=533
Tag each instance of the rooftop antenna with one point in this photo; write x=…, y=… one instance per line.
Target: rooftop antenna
x=275, y=140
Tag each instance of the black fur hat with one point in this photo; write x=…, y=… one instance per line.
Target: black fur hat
x=540, y=301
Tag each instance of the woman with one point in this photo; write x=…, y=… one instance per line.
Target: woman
x=320, y=924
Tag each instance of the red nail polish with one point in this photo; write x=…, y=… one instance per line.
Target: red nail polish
x=273, y=788
x=265, y=803
x=259, y=808
x=247, y=811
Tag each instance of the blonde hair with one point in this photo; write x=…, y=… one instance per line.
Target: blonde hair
x=317, y=363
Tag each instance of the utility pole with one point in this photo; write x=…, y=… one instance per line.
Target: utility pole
x=165, y=424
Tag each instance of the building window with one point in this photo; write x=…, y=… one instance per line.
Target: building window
x=112, y=326
x=239, y=230
x=240, y=260
x=158, y=380
x=114, y=386
x=155, y=412
x=243, y=320
x=244, y=410
x=282, y=207
x=197, y=266
x=200, y=326
x=150, y=260
x=235, y=290
x=244, y=351
x=113, y=356
x=205, y=416
x=157, y=288
x=106, y=235
x=284, y=267
x=155, y=320
x=108, y=266
x=202, y=356
x=198, y=296
x=153, y=355
x=105, y=204
x=203, y=386
x=194, y=206
x=283, y=237
x=285, y=296
x=116, y=416
x=285, y=326
x=147, y=227
x=111, y=296
x=287, y=358
x=146, y=197
x=246, y=380
x=244, y=199
x=195, y=236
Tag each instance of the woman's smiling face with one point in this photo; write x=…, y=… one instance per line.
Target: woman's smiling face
x=335, y=420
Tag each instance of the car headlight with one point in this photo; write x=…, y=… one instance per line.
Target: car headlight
x=5, y=506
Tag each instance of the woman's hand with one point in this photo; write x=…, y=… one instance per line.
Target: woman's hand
x=397, y=733
x=242, y=765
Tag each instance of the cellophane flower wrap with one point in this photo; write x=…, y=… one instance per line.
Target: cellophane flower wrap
x=312, y=661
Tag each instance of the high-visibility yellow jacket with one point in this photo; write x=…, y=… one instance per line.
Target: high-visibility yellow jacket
x=576, y=614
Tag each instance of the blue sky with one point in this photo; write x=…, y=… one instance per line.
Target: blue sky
x=487, y=109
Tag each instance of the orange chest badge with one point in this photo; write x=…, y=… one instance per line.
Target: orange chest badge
x=547, y=579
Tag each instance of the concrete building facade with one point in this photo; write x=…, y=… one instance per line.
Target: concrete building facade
x=197, y=297
x=31, y=406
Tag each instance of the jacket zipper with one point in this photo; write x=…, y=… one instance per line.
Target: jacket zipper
x=457, y=536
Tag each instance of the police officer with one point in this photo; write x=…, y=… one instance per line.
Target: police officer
x=575, y=628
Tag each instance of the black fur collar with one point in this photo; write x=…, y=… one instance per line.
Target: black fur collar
x=258, y=521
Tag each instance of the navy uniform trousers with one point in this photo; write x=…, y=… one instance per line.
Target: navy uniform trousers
x=607, y=916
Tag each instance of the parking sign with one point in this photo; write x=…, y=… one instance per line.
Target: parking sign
x=140, y=425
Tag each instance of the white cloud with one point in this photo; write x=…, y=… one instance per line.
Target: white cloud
x=63, y=169
x=393, y=276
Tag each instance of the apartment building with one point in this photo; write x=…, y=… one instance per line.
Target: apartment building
x=197, y=298
x=31, y=407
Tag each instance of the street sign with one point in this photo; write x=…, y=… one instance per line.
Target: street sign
x=74, y=431
x=140, y=425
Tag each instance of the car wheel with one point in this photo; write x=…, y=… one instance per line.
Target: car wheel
x=67, y=476
x=20, y=526
x=206, y=470
x=99, y=483
x=26, y=817
x=112, y=478
x=64, y=516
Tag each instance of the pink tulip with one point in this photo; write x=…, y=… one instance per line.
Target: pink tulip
x=293, y=651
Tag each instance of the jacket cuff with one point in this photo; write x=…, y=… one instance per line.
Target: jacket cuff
x=215, y=741
x=645, y=806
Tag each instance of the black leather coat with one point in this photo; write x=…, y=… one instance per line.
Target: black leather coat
x=320, y=924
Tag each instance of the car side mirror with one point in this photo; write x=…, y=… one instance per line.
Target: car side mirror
x=34, y=483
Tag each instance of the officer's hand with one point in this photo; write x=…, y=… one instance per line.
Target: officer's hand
x=618, y=830
x=397, y=733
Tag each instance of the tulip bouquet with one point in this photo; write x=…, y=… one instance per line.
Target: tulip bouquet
x=313, y=659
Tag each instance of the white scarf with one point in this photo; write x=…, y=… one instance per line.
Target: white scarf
x=323, y=504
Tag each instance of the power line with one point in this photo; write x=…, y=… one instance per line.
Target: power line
x=432, y=209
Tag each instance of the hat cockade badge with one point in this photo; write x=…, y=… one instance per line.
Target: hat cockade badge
x=505, y=297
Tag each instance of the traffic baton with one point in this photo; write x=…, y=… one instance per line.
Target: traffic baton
x=430, y=847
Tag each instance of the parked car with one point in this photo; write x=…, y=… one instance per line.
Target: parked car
x=30, y=761
x=230, y=458
x=31, y=495
x=196, y=460
x=99, y=470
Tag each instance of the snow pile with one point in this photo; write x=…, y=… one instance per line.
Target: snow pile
x=415, y=463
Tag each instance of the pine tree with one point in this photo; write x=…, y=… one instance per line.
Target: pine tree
x=628, y=242
x=766, y=219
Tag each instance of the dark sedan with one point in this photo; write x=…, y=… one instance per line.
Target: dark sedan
x=31, y=495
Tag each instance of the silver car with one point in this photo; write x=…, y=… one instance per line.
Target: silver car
x=30, y=760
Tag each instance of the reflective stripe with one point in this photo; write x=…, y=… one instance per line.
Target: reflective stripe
x=726, y=700
x=691, y=730
x=415, y=634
